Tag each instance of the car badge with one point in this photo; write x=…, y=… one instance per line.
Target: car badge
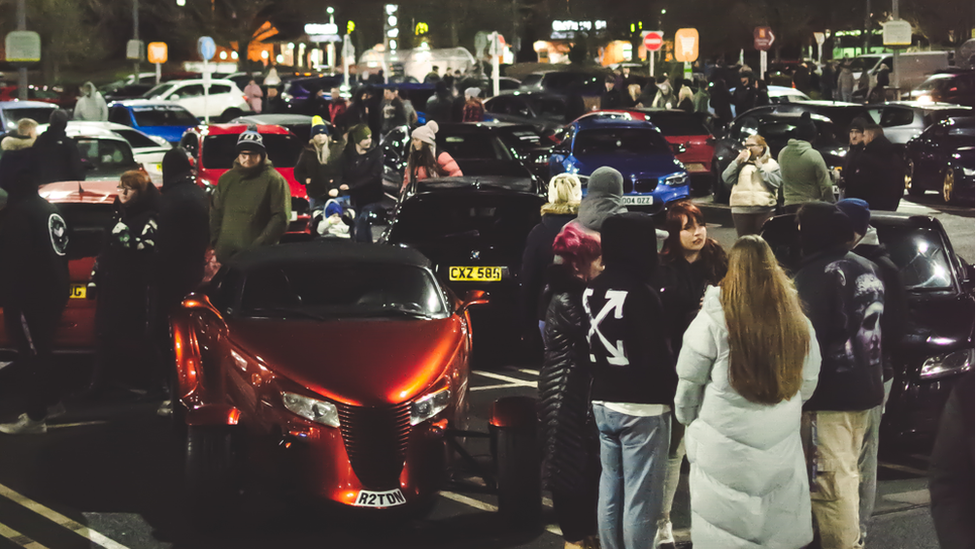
x=475, y=254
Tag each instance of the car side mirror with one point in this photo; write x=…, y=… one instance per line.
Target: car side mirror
x=473, y=297
x=969, y=273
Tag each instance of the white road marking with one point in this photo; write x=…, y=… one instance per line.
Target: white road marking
x=60, y=519
x=512, y=380
x=482, y=506
x=528, y=372
x=914, y=497
x=903, y=468
x=18, y=538
x=492, y=387
x=79, y=424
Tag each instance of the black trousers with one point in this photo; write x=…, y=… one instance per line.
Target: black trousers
x=32, y=332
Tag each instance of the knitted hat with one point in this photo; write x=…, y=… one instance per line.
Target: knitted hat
x=319, y=126
x=805, y=129
x=360, y=132
x=176, y=166
x=472, y=92
x=426, y=133
x=251, y=141
x=858, y=211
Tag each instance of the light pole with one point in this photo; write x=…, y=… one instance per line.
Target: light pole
x=22, y=71
x=135, y=36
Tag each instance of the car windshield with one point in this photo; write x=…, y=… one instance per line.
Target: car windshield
x=309, y=290
x=138, y=140
x=962, y=130
x=521, y=137
x=920, y=255
x=163, y=116
x=451, y=218
x=159, y=90
x=938, y=83
x=39, y=115
x=107, y=156
x=220, y=151
x=472, y=146
x=620, y=140
x=679, y=125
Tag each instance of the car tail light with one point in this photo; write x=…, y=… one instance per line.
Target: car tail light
x=376, y=442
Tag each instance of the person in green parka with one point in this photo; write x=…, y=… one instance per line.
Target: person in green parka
x=251, y=205
x=319, y=167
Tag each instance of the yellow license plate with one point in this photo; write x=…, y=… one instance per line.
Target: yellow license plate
x=79, y=291
x=474, y=274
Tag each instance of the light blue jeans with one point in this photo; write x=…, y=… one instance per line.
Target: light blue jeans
x=634, y=456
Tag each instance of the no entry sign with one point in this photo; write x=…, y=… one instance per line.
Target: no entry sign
x=653, y=41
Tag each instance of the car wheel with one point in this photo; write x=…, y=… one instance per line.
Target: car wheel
x=230, y=114
x=914, y=186
x=211, y=474
x=949, y=187
x=517, y=463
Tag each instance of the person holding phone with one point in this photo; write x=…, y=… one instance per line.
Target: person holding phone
x=755, y=179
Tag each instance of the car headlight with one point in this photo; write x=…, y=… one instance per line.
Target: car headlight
x=946, y=365
x=287, y=97
x=675, y=180
x=311, y=409
x=429, y=406
x=968, y=172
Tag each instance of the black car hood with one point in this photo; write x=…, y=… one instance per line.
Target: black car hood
x=512, y=168
x=939, y=321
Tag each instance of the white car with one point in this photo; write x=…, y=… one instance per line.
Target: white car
x=225, y=100
x=147, y=150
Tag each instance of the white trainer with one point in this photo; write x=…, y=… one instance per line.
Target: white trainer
x=24, y=426
x=664, y=535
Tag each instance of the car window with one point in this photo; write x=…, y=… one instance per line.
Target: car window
x=498, y=105
x=894, y=116
x=521, y=137
x=163, y=116
x=341, y=290
x=159, y=90
x=219, y=88
x=532, y=81
x=552, y=108
x=472, y=146
x=465, y=219
x=920, y=255
x=220, y=151
x=119, y=115
x=744, y=129
x=680, y=125
x=105, y=154
x=618, y=140
x=193, y=90
x=39, y=115
x=138, y=140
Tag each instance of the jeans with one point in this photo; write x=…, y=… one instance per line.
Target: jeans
x=867, y=464
x=676, y=455
x=364, y=222
x=750, y=223
x=634, y=456
x=32, y=333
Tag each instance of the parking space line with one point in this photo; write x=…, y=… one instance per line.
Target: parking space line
x=79, y=424
x=482, y=506
x=18, y=538
x=526, y=371
x=60, y=519
x=493, y=387
x=903, y=468
x=512, y=380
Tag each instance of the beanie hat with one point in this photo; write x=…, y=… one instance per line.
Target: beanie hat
x=857, y=124
x=58, y=121
x=858, y=211
x=176, y=165
x=251, y=141
x=360, y=132
x=319, y=126
x=426, y=133
x=805, y=130
x=823, y=226
x=472, y=92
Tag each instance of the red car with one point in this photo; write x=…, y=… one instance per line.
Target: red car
x=337, y=369
x=44, y=94
x=213, y=150
x=87, y=207
x=689, y=131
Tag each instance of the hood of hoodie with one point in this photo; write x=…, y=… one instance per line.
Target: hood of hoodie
x=58, y=122
x=629, y=242
x=15, y=142
x=176, y=167
x=88, y=89
x=603, y=198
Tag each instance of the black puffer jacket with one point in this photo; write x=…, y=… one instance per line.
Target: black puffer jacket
x=570, y=443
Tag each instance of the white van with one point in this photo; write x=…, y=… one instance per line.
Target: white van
x=913, y=67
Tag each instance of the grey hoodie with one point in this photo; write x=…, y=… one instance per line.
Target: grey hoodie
x=91, y=105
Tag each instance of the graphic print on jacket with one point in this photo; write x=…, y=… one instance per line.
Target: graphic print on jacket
x=616, y=353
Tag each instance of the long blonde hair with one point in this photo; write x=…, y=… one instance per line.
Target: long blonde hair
x=768, y=334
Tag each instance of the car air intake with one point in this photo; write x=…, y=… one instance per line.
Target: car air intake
x=376, y=442
x=645, y=185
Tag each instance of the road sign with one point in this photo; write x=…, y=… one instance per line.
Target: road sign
x=23, y=47
x=653, y=40
x=897, y=33
x=686, y=45
x=158, y=52
x=133, y=50
x=763, y=38
x=206, y=47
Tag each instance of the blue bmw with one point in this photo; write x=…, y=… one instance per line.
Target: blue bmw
x=636, y=148
x=164, y=119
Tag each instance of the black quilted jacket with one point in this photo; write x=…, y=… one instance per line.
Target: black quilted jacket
x=569, y=436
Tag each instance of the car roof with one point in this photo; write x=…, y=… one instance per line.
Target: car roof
x=529, y=93
x=146, y=103
x=600, y=122
x=235, y=129
x=200, y=81
x=327, y=250
x=767, y=115
x=272, y=119
x=477, y=184
x=101, y=130
x=26, y=105
x=920, y=105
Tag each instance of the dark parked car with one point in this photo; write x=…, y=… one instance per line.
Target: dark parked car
x=300, y=93
x=473, y=229
x=566, y=82
x=544, y=110
x=941, y=158
x=777, y=128
x=947, y=87
x=938, y=345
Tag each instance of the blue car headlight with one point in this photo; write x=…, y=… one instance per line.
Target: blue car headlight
x=311, y=409
x=429, y=406
x=947, y=364
x=674, y=180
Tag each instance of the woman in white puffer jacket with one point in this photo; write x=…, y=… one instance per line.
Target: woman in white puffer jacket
x=749, y=360
x=755, y=179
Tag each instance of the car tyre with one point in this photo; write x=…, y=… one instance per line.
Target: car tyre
x=518, y=465
x=949, y=187
x=915, y=187
x=230, y=114
x=211, y=475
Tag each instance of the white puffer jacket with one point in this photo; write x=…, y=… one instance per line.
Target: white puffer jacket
x=753, y=183
x=749, y=486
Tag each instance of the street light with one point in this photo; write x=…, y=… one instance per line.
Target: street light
x=181, y=3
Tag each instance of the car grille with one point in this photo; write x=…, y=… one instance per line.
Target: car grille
x=376, y=442
x=645, y=185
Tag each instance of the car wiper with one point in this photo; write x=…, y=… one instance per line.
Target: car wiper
x=399, y=309
x=289, y=312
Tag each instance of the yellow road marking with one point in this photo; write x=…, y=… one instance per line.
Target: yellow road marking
x=60, y=519
x=18, y=538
